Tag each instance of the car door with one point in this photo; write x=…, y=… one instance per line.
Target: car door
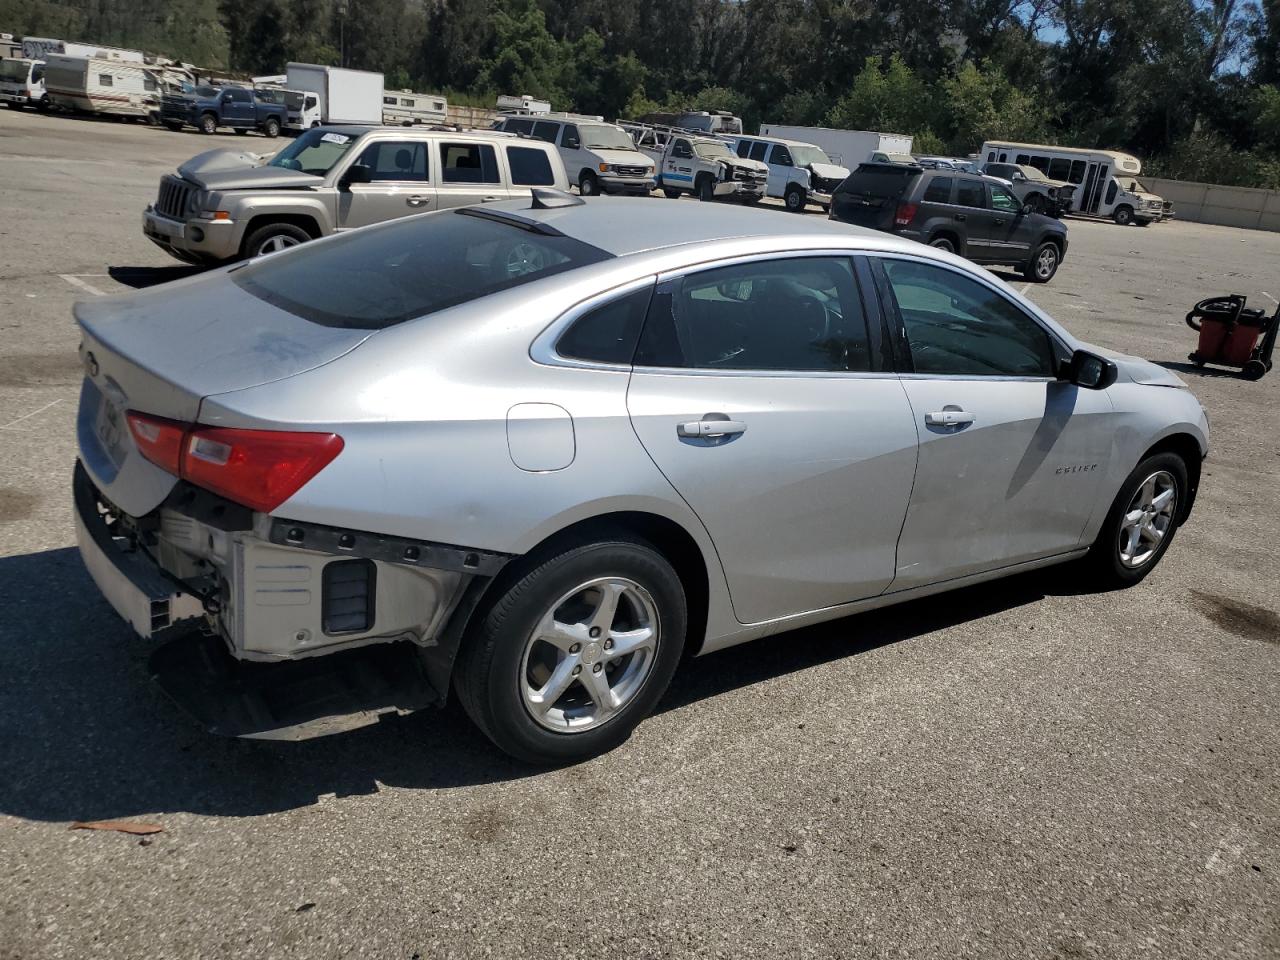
x=575, y=158
x=758, y=391
x=1010, y=457
x=973, y=218
x=677, y=167
x=389, y=179
x=780, y=170
x=1012, y=232
x=468, y=173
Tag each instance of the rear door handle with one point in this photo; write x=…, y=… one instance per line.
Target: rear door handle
x=948, y=418
x=416, y=201
x=961, y=216
x=999, y=223
x=489, y=199
x=710, y=428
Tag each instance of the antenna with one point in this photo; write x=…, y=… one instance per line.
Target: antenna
x=545, y=198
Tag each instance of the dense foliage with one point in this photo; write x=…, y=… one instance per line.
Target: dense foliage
x=1192, y=85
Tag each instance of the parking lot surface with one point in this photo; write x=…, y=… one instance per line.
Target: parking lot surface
x=1019, y=769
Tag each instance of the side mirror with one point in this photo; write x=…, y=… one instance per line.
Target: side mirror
x=573, y=143
x=357, y=174
x=1027, y=209
x=1088, y=370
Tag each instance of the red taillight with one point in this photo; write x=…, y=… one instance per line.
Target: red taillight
x=258, y=468
x=905, y=214
x=158, y=439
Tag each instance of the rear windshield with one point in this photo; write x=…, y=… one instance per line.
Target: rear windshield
x=375, y=278
x=878, y=182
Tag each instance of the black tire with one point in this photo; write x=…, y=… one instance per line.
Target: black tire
x=589, y=184
x=706, y=189
x=239, y=131
x=488, y=676
x=271, y=128
x=16, y=106
x=943, y=243
x=670, y=194
x=289, y=235
x=173, y=125
x=1103, y=566
x=1043, y=263
x=1254, y=370
x=795, y=198
x=208, y=124
x=1122, y=215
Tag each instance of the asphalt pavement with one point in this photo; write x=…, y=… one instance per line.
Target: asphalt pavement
x=1014, y=770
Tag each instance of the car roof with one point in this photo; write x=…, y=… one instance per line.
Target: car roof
x=767, y=139
x=359, y=130
x=652, y=224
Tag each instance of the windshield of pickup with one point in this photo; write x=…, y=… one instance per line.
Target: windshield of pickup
x=712, y=150
x=14, y=70
x=802, y=155
x=315, y=152
x=603, y=136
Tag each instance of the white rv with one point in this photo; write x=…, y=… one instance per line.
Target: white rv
x=1107, y=184
x=523, y=105
x=122, y=88
x=408, y=109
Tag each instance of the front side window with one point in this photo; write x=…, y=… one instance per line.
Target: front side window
x=681, y=151
x=530, y=167
x=379, y=276
x=970, y=193
x=395, y=160
x=569, y=137
x=1003, y=200
x=957, y=326
x=607, y=334
x=800, y=314
x=468, y=163
x=781, y=155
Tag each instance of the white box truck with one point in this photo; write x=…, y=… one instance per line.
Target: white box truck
x=846, y=147
x=345, y=96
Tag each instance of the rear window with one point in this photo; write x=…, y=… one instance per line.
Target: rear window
x=375, y=278
x=884, y=183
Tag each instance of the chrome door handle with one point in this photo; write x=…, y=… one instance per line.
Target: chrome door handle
x=416, y=201
x=710, y=428
x=948, y=418
x=489, y=199
x=961, y=217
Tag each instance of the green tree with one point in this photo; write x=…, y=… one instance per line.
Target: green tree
x=979, y=103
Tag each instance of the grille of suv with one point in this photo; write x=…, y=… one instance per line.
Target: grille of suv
x=172, y=201
x=742, y=173
x=631, y=171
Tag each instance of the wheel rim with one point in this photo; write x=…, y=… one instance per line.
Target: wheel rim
x=587, y=187
x=1046, y=262
x=590, y=654
x=793, y=200
x=942, y=245
x=1148, y=519
x=280, y=241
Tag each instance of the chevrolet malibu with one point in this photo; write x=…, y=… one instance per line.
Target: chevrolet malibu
x=548, y=446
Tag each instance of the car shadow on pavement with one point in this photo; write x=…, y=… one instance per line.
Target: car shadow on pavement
x=87, y=736
x=142, y=277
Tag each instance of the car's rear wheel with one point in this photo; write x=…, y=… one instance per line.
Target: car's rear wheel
x=574, y=651
x=273, y=238
x=943, y=243
x=1043, y=263
x=1141, y=523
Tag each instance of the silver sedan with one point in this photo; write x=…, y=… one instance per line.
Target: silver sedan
x=542, y=449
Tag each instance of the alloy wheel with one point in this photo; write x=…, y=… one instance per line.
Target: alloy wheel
x=1046, y=263
x=277, y=243
x=1148, y=520
x=590, y=654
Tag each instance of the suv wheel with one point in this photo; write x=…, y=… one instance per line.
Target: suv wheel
x=1123, y=215
x=794, y=198
x=208, y=124
x=271, y=128
x=273, y=238
x=574, y=652
x=1141, y=523
x=1043, y=263
x=588, y=185
x=943, y=243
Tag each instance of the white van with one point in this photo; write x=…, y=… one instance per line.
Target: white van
x=599, y=157
x=799, y=173
x=1106, y=179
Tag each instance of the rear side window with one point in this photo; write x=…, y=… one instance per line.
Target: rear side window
x=757, y=150
x=969, y=193
x=542, y=130
x=939, y=190
x=800, y=314
x=530, y=167
x=468, y=163
x=515, y=125
x=744, y=148
x=379, y=276
x=607, y=334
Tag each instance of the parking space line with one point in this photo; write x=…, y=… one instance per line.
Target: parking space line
x=11, y=423
x=77, y=282
x=1271, y=298
x=1025, y=288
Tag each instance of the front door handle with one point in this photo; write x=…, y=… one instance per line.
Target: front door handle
x=960, y=216
x=416, y=201
x=948, y=418
x=999, y=223
x=710, y=428
x=489, y=199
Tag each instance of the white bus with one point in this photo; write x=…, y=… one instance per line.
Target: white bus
x=409, y=109
x=1107, y=184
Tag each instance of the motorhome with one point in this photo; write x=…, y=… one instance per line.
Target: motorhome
x=1106, y=180
x=22, y=84
x=121, y=88
x=523, y=105
x=408, y=109
x=40, y=48
x=713, y=122
x=10, y=48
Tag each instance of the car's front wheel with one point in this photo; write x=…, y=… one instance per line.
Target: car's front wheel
x=273, y=238
x=589, y=185
x=208, y=124
x=574, y=651
x=795, y=198
x=1141, y=523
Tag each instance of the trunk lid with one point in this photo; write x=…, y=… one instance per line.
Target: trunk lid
x=162, y=351
x=871, y=195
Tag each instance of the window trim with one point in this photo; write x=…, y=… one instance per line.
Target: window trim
x=898, y=331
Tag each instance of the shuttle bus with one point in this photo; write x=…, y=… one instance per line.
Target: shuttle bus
x=1107, y=180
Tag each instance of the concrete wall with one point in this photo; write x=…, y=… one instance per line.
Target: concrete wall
x=1210, y=203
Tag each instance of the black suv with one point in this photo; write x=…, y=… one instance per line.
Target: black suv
x=971, y=215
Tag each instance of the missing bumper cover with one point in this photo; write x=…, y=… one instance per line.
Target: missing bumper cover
x=377, y=546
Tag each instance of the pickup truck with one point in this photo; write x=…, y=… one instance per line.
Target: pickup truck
x=208, y=108
x=698, y=165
